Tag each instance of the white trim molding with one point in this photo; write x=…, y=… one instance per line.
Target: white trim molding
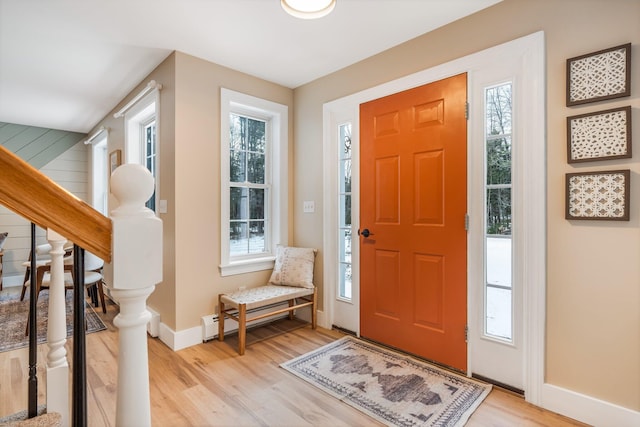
x=277, y=118
x=587, y=409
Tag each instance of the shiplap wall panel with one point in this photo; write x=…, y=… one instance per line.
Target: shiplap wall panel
x=55, y=149
x=36, y=145
x=9, y=131
x=24, y=138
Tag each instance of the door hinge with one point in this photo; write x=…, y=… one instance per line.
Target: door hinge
x=466, y=110
x=466, y=222
x=466, y=333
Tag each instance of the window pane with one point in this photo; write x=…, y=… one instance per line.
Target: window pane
x=499, y=160
x=256, y=203
x=345, y=176
x=345, y=138
x=256, y=237
x=238, y=203
x=237, y=132
x=150, y=147
x=345, y=281
x=238, y=238
x=499, y=261
x=499, y=312
x=256, y=135
x=345, y=210
x=499, y=211
x=345, y=246
x=150, y=158
x=237, y=166
x=499, y=110
x=255, y=168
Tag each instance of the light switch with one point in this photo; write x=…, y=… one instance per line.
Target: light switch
x=308, y=206
x=162, y=206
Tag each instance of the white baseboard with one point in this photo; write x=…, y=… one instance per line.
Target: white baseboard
x=322, y=320
x=12, y=281
x=193, y=336
x=587, y=409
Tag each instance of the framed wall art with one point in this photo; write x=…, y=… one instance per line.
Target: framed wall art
x=605, y=74
x=602, y=135
x=598, y=195
x=115, y=159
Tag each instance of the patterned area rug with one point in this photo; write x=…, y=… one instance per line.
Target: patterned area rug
x=393, y=388
x=14, y=314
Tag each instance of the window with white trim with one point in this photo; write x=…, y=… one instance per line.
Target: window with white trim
x=141, y=138
x=99, y=174
x=254, y=182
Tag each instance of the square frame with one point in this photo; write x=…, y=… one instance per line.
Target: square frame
x=603, y=195
x=602, y=135
x=596, y=76
x=115, y=160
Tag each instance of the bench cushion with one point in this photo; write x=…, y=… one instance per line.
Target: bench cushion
x=264, y=295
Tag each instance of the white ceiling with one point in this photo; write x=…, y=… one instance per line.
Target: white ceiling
x=65, y=64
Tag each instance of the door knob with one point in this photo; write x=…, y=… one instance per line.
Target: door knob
x=366, y=233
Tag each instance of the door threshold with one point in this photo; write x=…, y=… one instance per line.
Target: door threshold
x=346, y=331
x=504, y=386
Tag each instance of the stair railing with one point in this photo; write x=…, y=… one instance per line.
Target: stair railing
x=132, y=270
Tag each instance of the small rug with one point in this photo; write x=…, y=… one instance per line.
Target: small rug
x=14, y=314
x=391, y=387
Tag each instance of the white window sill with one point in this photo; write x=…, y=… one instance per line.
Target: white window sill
x=247, y=266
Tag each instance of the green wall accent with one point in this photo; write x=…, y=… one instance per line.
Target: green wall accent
x=35, y=145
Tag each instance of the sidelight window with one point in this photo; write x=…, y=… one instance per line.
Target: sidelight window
x=344, y=226
x=498, y=219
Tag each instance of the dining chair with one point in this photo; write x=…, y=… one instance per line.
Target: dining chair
x=42, y=261
x=93, y=277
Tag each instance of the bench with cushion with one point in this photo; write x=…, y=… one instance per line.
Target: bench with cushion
x=291, y=281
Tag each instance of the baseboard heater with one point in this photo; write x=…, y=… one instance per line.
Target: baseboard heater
x=153, y=327
x=210, y=322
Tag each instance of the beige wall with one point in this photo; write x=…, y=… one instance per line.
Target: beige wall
x=197, y=182
x=189, y=138
x=162, y=300
x=593, y=280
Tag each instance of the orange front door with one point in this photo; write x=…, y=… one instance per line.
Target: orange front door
x=413, y=198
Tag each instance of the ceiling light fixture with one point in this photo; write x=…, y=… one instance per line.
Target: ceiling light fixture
x=308, y=9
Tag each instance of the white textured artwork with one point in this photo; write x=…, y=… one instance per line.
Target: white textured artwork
x=598, y=195
x=598, y=76
x=600, y=135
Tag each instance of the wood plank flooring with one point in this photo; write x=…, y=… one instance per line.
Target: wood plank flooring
x=210, y=385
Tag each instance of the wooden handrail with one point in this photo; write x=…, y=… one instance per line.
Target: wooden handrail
x=34, y=196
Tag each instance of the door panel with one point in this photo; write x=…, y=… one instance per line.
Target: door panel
x=413, y=200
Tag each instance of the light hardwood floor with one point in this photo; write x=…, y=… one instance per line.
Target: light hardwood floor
x=210, y=385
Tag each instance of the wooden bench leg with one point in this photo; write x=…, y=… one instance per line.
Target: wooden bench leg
x=220, y=318
x=291, y=302
x=314, y=311
x=242, y=327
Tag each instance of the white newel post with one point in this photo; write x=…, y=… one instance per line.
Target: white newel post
x=57, y=364
x=136, y=267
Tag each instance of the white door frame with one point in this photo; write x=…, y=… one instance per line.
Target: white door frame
x=534, y=186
